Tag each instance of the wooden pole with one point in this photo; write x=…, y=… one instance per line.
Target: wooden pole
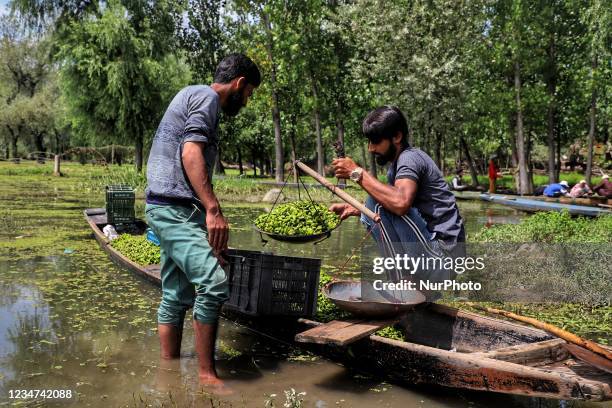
x=340, y=193
x=56, y=166
x=557, y=331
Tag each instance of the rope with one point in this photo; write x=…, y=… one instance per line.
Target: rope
x=341, y=269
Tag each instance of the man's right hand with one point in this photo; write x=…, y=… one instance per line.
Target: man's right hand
x=344, y=210
x=218, y=231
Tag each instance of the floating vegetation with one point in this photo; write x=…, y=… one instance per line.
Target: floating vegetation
x=228, y=351
x=137, y=248
x=586, y=321
x=550, y=227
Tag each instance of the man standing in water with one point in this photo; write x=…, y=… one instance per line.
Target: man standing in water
x=184, y=213
x=417, y=209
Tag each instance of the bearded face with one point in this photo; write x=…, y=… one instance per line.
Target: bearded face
x=389, y=155
x=234, y=103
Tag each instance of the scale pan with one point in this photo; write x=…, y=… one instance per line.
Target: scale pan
x=347, y=296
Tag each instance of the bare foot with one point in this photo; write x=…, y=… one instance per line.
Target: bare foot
x=214, y=384
x=211, y=380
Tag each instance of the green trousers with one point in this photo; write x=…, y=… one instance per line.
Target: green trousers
x=190, y=273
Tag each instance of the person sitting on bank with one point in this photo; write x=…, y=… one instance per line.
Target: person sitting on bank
x=557, y=189
x=457, y=182
x=581, y=189
x=417, y=209
x=604, y=188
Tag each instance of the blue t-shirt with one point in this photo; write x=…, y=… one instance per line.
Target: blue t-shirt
x=555, y=190
x=433, y=199
x=192, y=116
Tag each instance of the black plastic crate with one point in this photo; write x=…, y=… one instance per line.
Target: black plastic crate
x=120, y=201
x=262, y=284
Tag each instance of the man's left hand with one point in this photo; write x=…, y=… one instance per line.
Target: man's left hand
x=343, y=167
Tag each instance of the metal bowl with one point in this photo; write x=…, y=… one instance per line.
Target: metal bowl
x=347, y=296
x=297, y=239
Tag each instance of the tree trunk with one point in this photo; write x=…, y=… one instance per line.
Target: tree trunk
x=240, y=168
x=317, y=121
x=219, y=168
x=372, y=167
x=113, y=153
x=558, y=146
x=138, y=157
x=13, y=142
x=468, y=157
x=340, y=129
x=254, y=163
x=592, y=119
x=438, y=149
x=364, y=156
x=39, y=143
x=524, y=186
x=551, y=87
x=293, y=154
x=410, y=136
x=278, y=141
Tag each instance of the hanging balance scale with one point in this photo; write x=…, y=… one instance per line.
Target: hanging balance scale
x=334, y=189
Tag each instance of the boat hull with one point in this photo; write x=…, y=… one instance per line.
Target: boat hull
x=531, y=205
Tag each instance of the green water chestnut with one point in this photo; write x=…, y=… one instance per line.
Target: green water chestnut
x=298, y=218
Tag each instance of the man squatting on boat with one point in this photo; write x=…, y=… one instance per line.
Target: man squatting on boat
x=184, y=212
x=419, y=214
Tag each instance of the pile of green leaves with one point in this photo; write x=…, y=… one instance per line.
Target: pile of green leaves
x=298, y=218
x=137, y=249
x=551, y=227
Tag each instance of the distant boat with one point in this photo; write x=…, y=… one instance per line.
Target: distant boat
x=534, y=205
x=594, y=201
x=467, y=195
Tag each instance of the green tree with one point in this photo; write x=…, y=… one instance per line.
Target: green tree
x=116, y=78
x=28, y=88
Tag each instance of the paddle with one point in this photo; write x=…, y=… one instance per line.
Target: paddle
x=583, y=349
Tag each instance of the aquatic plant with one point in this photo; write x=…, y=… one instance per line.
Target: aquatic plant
x=137, y=248
x=298, y=218
x=551, y=227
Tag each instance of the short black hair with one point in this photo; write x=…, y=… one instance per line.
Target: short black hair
x=237, y=65
x=384, y=123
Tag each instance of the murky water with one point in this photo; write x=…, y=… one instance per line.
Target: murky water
x=70, y=320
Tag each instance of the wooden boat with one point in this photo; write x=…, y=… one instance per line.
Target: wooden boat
x=532, y=205
x=594, y=201
x=467, y=195
x=443, y=346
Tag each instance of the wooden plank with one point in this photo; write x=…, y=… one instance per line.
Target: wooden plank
x=342, y=332
x=589, y=357
x=534, y=354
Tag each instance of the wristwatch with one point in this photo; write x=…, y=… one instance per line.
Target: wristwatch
x=356, y=174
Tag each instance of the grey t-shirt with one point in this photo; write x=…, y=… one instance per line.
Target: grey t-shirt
x=433, y=199
x=192, y=116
